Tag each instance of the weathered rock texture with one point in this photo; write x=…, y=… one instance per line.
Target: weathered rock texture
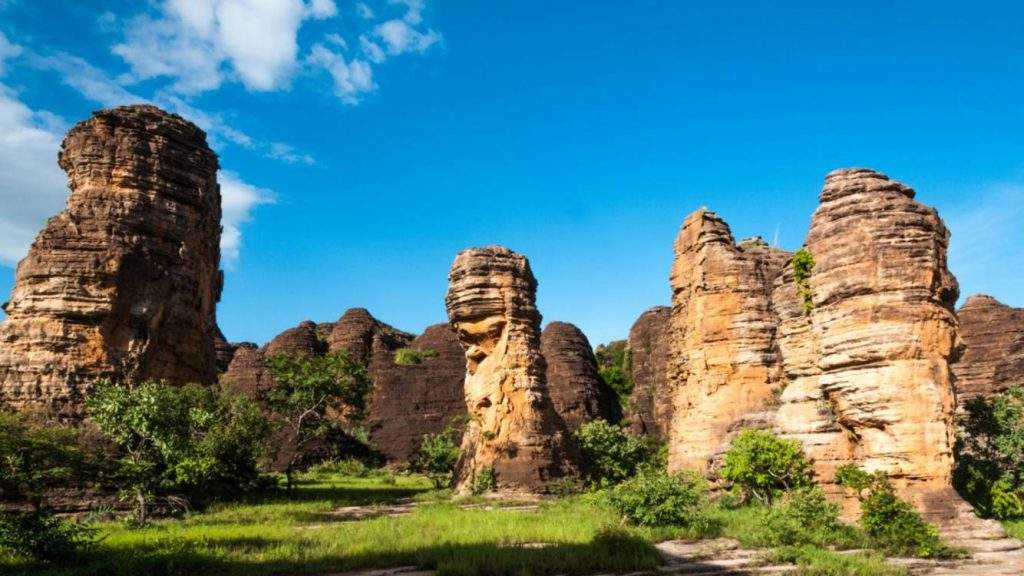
x=358, y=332
x=993, y=336
x=411, y=400
x=223, y=350
x=124, y=282
x=577, y=392
x=862, y=376
x=302, y=340
x=513, y=427
x=650, y=410
x=724, y=362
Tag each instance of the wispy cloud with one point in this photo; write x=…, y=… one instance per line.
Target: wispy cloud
x=238, y=199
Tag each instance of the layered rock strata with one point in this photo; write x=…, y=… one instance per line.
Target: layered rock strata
x=124, y=282
x=723, y=361
x=577, y=392
x=358, y=332
x=650, y=410
x=513, y=430
x=993, y=337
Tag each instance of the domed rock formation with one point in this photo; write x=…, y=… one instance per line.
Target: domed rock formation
x=651, y=402
x=247, y=373
x=358, y=332
x=513, y=429
x=124, y=282
x=413, y=399
x=577, y=392
x=723, y=358
x=991, y=331
x=302, y=340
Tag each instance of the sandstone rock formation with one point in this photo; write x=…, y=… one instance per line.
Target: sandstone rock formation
x=577, y=392
x=123, y=283
x=247, y=373
x=358, y=332
x=651, y=402
x=993, y=336
x=223, y=350
x=513, y=428
x=723, y=361
x=410, y=400
x=302, y=340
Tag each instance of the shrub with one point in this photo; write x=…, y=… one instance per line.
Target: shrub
x=484, y=481
x=611, y=454
x=407, y=356
x=805, y=516
x=344, y=467
x=763, y=465
x=990, y=455
x=42, y=537
x=803, y=263
x=191, y=440
x=891, y=523
x=657, y=498
x=614, y=366
x=436, y=457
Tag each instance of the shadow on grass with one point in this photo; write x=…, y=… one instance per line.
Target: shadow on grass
x=611, y=551
x=344, y=495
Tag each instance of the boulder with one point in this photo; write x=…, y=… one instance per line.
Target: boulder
x=124, y=282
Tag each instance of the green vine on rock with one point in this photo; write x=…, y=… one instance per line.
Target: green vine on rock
x=803, y=263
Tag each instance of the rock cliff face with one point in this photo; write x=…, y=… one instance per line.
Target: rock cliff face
x=577, y=392
x=513, y=428
x=651, y=403
x=223, y=350
x=411, y=400
x=991, y=332
x=358, y=332
x=124, y=282
x=302, y=340
x=723, y=362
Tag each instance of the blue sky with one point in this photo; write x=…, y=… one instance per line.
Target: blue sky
x=363, y=144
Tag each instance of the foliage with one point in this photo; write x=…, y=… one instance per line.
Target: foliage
x=805, y=516
x=990, y=455
x=191, y=440
x=657, y=498
x=41, y=536
x=436, y=457
x=814, y=561
x=762, y=465
x=611, y=454
x=803, y=264
x=890, y=522
x=406, y=356
x=614, y=365
x=484, y=481
x=308, y=389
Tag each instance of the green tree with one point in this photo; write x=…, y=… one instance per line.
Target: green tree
x=990, y=455
x=762, y=465
x=36, y=456
x=179, y=442
x=612, y=454
x=655, y=498
x=436, y=456
x=614, y=365
x=803, y=264
x=309, y=389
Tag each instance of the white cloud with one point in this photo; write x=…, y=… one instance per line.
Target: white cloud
x=238, y=198
x=364, y=11
x=986, y=250
x=286, y=153
x=400, y=37
x=372, y=50
x=32, y=187
x=352, y=78
x=91, y=82
x=198, y=42
x=7, y=50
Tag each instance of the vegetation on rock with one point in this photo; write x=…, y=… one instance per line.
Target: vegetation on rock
x=803, y=263
x=407, y=356
x=615, y=368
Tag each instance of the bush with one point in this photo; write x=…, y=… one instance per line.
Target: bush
x=192, y=441
x=42, y=537
x=484, y=482
x=805, y=516
x=892, y=524
x=657, y=498
x=611, y=454
x=614, y=366
x=344, y=467
x=406, y=356
x=990, y=455
x=436, y=457
x=763, y=465
x=803, y=263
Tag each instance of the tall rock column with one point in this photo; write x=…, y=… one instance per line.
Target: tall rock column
x=650, y=410
x=723, y=360
x=513, y=428
x=124, y=282
x=574, y=385
x=992, y=333
x=884, y=327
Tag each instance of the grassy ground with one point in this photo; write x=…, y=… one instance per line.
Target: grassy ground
x=1014, y=528
x=297, y=534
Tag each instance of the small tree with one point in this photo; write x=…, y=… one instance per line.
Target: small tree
x=308, y=389
x=179, y=441
x=763, y=465
x=803, y=264
x=408, y=356
x=436, y=457
x=656, y=498
x=990, y=455
x=612, y=454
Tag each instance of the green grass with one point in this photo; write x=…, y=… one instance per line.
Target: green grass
x=1014, y=528
x=294, y=534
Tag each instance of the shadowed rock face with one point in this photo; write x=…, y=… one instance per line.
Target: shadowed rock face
x=513, y=427
x=577, y=392
x=301, y=340
x=723, y=362
x=651, y=403
x=993, y=334
x=124, y=282
x=358, y=332
x=223, y=350
x=411, y=400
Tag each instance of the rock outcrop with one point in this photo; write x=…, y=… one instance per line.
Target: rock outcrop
x=358, y=332
x=650, y=410
x=224, y=351
x=723, y=362
x=513, y=428
x=577, y=392
x=302, y=340
x=410, y=400
x=124, y=282
x=993, y=336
